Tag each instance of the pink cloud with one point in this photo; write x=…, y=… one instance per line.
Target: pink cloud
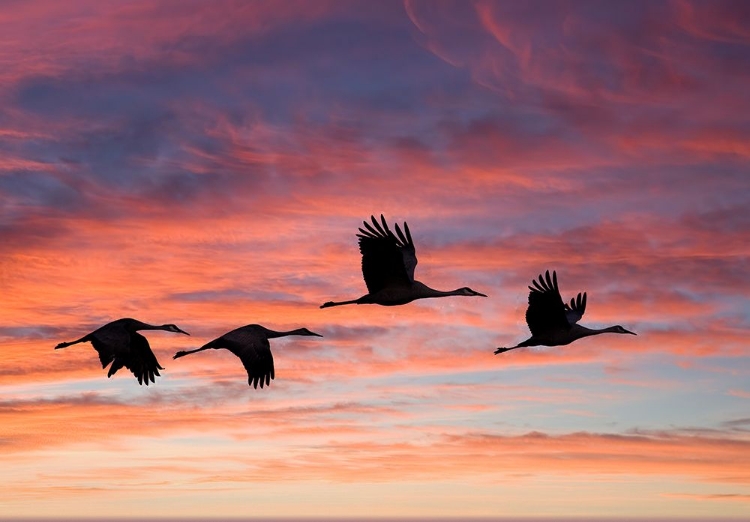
x=187, y=165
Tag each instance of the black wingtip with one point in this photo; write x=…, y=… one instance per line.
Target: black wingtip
x=372, y=231
x=401, y=236
x=385, y=224
x=377, y=225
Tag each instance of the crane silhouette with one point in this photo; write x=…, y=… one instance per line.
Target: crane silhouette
x=554, y=323
x=250, y=344
x=120, y=343
x=388, y=264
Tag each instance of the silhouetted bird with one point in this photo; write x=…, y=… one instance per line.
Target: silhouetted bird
x=250, y=344
x=120, y=343
x=552, y=322
x=388, y=264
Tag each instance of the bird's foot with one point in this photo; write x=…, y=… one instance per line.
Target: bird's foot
x=501, y=350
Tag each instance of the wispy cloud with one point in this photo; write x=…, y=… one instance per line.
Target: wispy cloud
x=208, y=165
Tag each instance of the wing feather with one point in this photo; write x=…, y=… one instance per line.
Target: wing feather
x=106, y=354
x=372, y=232
x=387, y=260
x=254, y=351
x=142, y=361
x=575, y=310
x=546, y=312
x=117, y=345
x=110, y=341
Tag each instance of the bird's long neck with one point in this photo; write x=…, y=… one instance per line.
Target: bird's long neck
x=135, y=325
x=425, y=291
x=271, y=334
x=582, y=331
x=146, y=326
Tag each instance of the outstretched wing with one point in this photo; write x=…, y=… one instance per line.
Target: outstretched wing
x=387, y=260
x=141, y=361
x=106, y=353
x=109, y=341
x=254, y=351
x=546, y=313
x=574, y=311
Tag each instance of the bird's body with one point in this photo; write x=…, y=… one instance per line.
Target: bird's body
x=388, y=264
x=250, y=344
x=553, y=322
x=120, y=343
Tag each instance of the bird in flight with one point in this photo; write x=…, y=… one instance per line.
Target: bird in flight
x=250, y=344
x=553, y=322
x=388, y=263
x=120, y=343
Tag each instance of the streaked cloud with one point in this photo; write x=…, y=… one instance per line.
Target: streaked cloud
x=208, y=165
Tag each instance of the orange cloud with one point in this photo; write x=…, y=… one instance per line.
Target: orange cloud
x=191, y=167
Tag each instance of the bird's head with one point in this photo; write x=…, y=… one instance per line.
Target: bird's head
x=468, y=292
x=173, y=328
x=619, y=329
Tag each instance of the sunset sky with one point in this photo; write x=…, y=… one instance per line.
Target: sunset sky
x=208, y=164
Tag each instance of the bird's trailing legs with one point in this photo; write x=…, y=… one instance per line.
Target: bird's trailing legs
x=183, y=353
x=83, y=339
x=527, y=342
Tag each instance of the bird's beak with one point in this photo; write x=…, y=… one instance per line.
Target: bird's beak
x=478, y=293
x=631, y=333
x=182, y=331
x=316, y=335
